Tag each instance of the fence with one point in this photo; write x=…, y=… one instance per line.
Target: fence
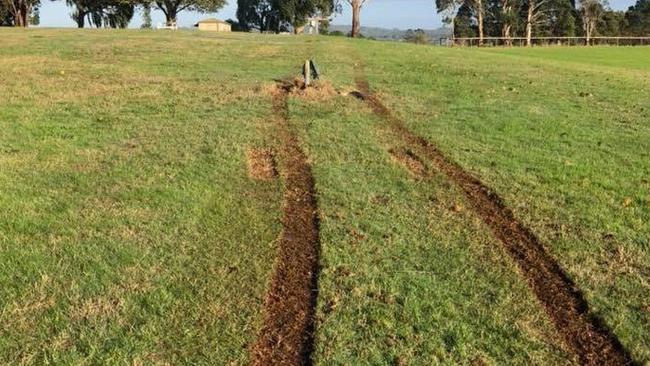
x=545, y=41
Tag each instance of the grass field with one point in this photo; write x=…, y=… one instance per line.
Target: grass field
x=131, y=232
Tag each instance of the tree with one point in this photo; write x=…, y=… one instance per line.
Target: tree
x=280, y=15
x=611, y=24
x=477, y=8
x=417, y=36
x=102, y=13
x=561, y=19
x=6, y=20
x=508, y=18
x=502, y=18
x=262, y=15
x=534, y=17
x=146, y=16
x=637, y=19
x=19, y=13
x=171, y=8
x=356, y=16
x=296, y=12
x=463, y=25
x=591, y=12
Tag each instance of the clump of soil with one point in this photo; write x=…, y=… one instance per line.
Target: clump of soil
x=261, y=164
x=319, y=89
x=409, y=160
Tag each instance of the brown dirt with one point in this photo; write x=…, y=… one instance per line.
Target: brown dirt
x=582, y=331
x=261, y=164
x=286, y=337
x=409, y=160
x=320, y=90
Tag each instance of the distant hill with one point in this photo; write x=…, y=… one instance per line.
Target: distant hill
x=392, y=34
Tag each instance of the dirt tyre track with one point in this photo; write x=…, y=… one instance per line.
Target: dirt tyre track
x=286, y=337
x=584, y=333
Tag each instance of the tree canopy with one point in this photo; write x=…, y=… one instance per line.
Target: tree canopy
x=544, y=18
x=19, y=13
x=171, y=8
x=637, y=19
x=280, y=15
x=102, y=13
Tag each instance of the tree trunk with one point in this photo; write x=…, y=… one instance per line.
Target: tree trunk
x=505, y=33
x=356, y=22
x=171, y=16
x=80, y=19
x=170, y=9
x=26, y=10
x=20, y=11
x=506, y=28
x=529, y=25
x=479, y=18
x=18, y=20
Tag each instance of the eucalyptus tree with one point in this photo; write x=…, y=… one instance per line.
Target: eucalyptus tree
x=102, y=13
x=590, y=11
x=637, y=18
x=146, y=16
x=477, y=7
x=18, y=13
x=535, y=12
x=279, y=15
x=296, y=12
x=356, y=16
x=171, y=8
x=502, y=19
x=262, y=15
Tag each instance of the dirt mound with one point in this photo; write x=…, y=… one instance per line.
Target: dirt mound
x=319, y=90
x=261, y=164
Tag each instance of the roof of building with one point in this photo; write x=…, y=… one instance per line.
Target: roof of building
x=211, y=21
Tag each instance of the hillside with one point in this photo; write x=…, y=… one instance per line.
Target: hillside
x=178, y=198
x=385, y=34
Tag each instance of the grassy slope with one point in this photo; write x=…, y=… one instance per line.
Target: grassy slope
x=404, y=277
x=129, y=230
x=562, y=135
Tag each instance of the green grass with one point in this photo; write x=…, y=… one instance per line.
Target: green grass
x=131, y=233
x=566, y=146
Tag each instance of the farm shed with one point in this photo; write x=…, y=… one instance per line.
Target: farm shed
x=212, y=24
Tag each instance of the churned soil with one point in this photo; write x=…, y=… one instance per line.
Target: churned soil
x=408, y=159
x=286, y=336
x=261, y=164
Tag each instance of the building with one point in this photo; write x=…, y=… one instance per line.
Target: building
x=212, y=24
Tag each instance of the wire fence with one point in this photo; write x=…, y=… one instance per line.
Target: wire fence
x=544, y=41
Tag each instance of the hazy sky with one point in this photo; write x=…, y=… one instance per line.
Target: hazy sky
x=381, y=13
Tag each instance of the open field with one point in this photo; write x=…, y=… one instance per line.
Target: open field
x=131, y=230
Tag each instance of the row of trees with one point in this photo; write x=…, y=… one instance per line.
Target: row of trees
x=282, y=15
x=544, y=18
x=470, y=18
x=262, y=15
x=19, y=13
x=104, y=13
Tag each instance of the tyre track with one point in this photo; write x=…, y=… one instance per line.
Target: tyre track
x=582, y=331
x=286, y=336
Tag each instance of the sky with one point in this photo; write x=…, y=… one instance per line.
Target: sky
x=401, y=14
